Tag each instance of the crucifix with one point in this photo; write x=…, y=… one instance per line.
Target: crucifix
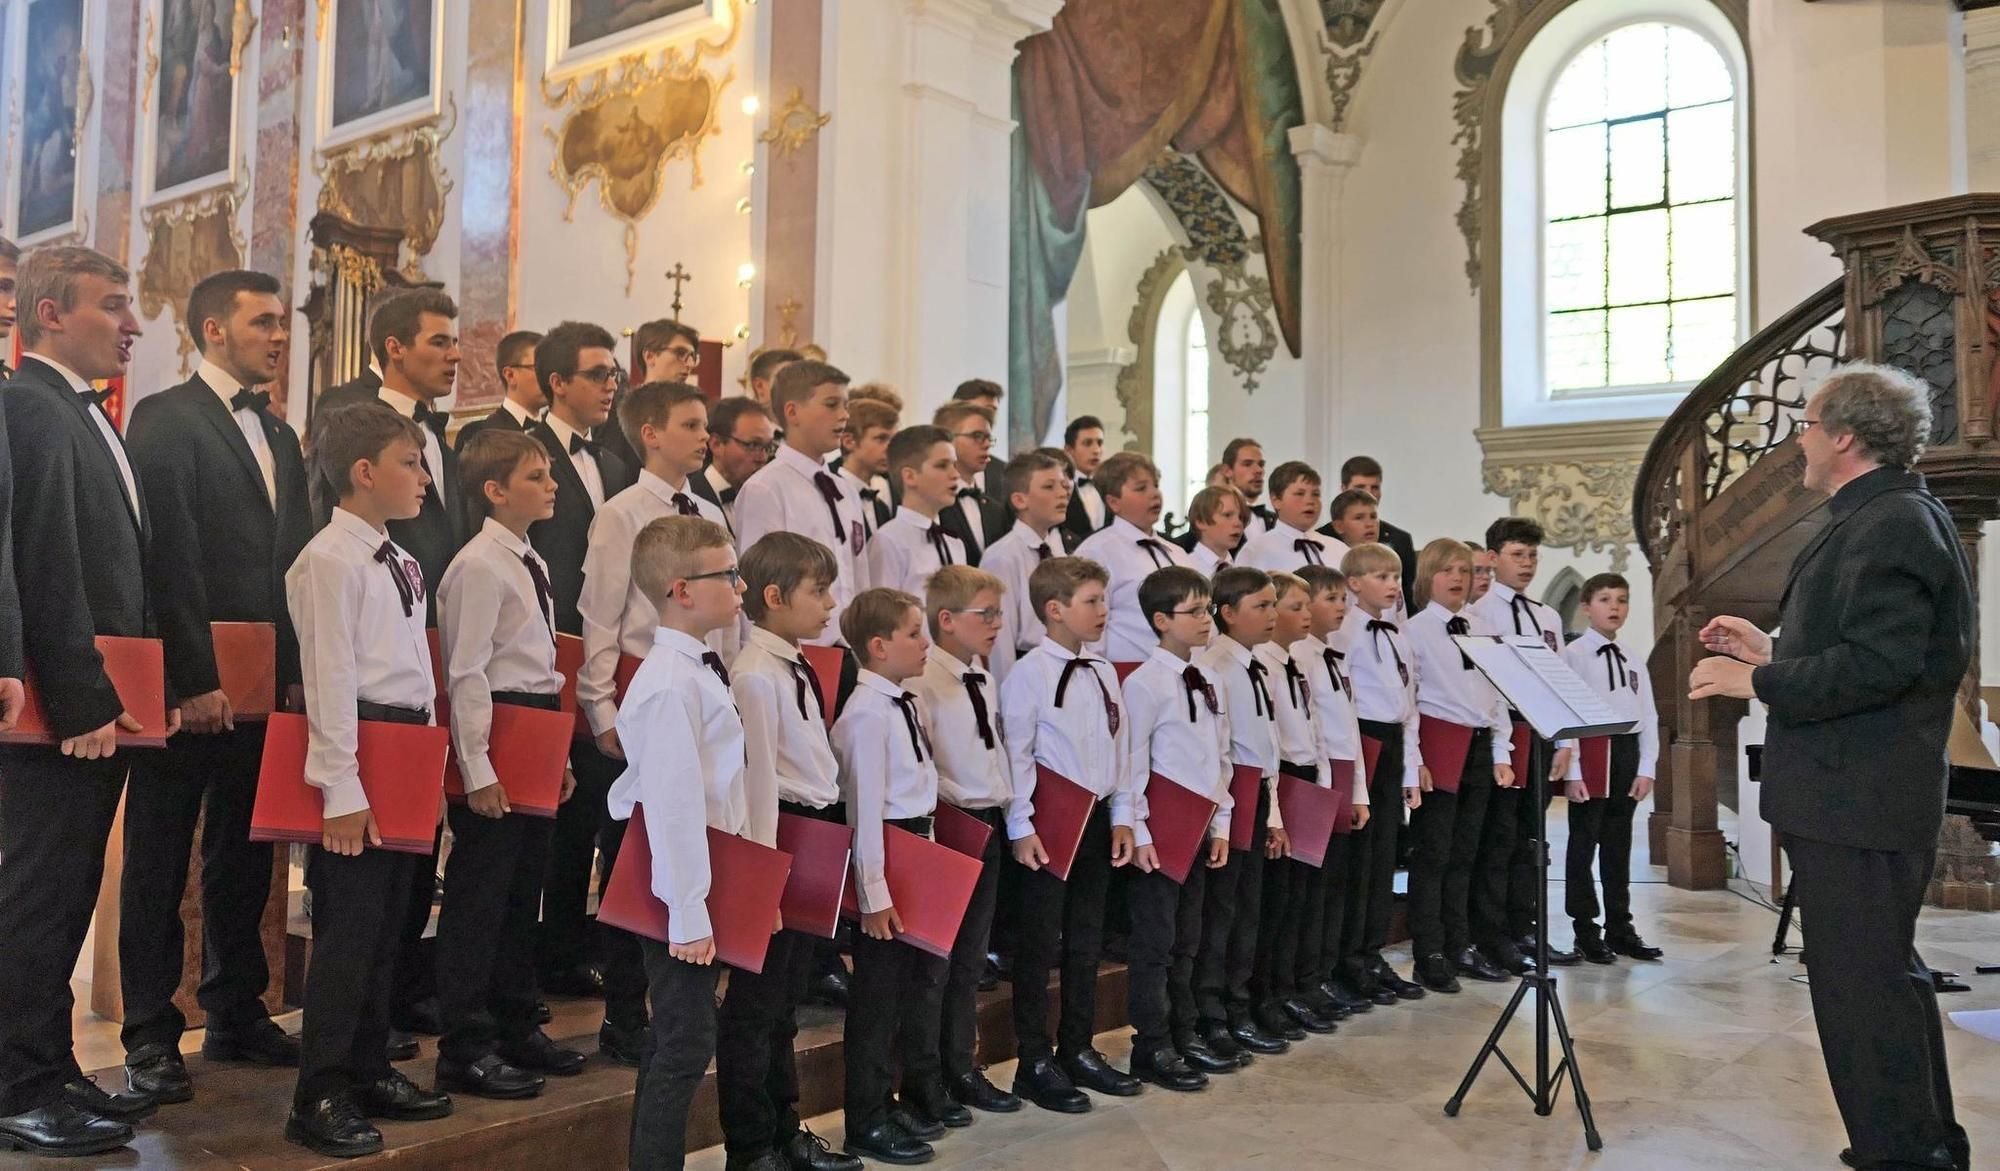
x=679, y=276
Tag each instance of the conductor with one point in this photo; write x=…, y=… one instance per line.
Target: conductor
x=1875, y=636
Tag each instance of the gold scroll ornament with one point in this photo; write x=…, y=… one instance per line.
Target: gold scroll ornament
x=185, y=241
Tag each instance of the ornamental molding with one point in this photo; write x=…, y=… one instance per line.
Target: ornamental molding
x=186, y=240
x=1246, y=334
x=394, y=178
x=1582, y=503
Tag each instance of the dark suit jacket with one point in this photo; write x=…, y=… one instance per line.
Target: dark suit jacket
x=564, y=538
x=1077, y=524
x=885, y=511
x=1877, y=626
x=501, y=417
x=354, y=390
x=995, y=517
x=434, y=535
x=220, y=547
x=78, y=541
x=13, y=661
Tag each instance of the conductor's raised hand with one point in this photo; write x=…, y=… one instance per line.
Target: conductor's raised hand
x=1729, y=635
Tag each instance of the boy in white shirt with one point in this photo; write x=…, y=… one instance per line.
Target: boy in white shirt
x=1603, y=827
x=1292, y=542
x=1038, y=489
x=912, y=546
x=1129, y=550
x=1218, y=515
x=1339, y=748
x=1179, y=731
x=864, y=457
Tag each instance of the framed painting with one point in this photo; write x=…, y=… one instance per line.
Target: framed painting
x=53, y=87
x=191, y=134
x=584, y=34
x=380, y=65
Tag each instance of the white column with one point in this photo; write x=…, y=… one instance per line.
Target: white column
x=1325, y=156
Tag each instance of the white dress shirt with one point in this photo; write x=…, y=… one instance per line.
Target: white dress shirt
x=1291, y=694
x=1253, y=724
x=582, y=459
x=522, y=415
x=784, y=494
x=1381, y=693
x=1093, y=502
x=1333, y=716
x=1279, y=550
x=1448, y=686
x=886, y=772
x=104, y=427
x=1012, y=559
x=902, y=556
x=1205, y=559
x=225, y=386
x=1624, y=683
x=849, y=482
x=356, y=644
x=1175, y=735
x=406, y=406
x=969, y=505
x=1508, y=611
x=1129, y=637
x=1077, y=739
x=972, y=768
x=496, y=635
x=617, y=618
x=788, y=756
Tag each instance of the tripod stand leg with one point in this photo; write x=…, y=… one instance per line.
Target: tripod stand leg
x=1491, y=1047
x=1590, y=1135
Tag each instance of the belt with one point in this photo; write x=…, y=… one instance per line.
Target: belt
x=389, y=713
x=1304, y=772
x=920, y=826
x=994, y=816
x=1381, y=730
x=833, y=812
x=534, y=699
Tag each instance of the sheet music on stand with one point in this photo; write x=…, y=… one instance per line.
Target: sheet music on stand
x=1554, y=700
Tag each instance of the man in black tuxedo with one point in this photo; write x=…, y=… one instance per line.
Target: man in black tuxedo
x=573, y=368
x=226, y=490
x=80, y=532
x=1365, y=473
x=1083, y=443
x=1877, y=620
x=970, y=425
x=522, y=404
x=741, y=439
x=1242, y=469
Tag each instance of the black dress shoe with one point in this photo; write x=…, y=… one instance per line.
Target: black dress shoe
x=1402, y=989
x=1594, y=949
x=1200, y=1057
x=914, y=1124
x=1468, y=962
x=397, y=1098
x=1361, y=978
x=422, y=1017
x=1256, y=1040
x=762, y=1161
x=806, y=1151
x=1435, y=971
x=1217, y=1037
x=889, y=1143
x=85, y=1094
x=581, y=980
x=1346, y=997
x=489, y=1077
x=829, y=988
x=1307, y=1017
x=1043, y=1082
x=1273, y=1020
x=401, y=1046
x=536, y=1053
x=260, y=1042
x=158, y=1070
x=974, y=1090
x=1169, y=1071
x=542, y=1014
x=61, y=1130
x=1558, y=958
x=934, y=1104
x=1630, y=945
x=1088, y=1070
x=332, y=1126
x=621, y=1045
x=1509, y=958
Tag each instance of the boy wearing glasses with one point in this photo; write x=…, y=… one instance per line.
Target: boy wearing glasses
x=979, y=517
x=669, y=351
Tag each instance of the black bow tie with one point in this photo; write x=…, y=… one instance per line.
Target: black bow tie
x=936, y=534
x=1459, y=625
x=1615, y=676
x=804, y=678
x=407, y=591
x=918, y=739
x=1042, y=552
x=1198, y=684
x=1376, y=628
x=542, y=591
x=1260, y=696
x=250, y=400
x=1158, y=552
x=579, y=443
x=1332, y=658
x=972, y=681
x=97, y=397
x=973, y=491
x=726, y=496
x=424, y=416
x=829, y=490
x=1062, y=687
x=1523, y=608
x=685, y=505
x=714, y=663
x=1310, y=550
x=870, y=495
x=1295, y=686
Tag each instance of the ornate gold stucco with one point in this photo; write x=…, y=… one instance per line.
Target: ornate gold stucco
x=185, y=241
x=397, y=178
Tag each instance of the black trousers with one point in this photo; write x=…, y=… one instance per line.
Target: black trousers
x=894, y=1008
x=415, y=975
x=1324, y=914
x=1873, y=1000
x=1166, y=936
x=485, y=938
x=1444, y=859
x=1061, y=922
x=212, y=780
x=55, y=821
x=625, y=976
x=1232, y=900
x=673, y=1057
x=1527, y=862
x=344, y=1038
x=1371, y=896
x=1601, y=828
x=958, y=1034
x=565, y=939
x=1288, y=887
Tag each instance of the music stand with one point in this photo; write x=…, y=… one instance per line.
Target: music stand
x=1559, y=706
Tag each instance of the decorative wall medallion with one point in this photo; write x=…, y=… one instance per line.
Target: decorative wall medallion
x=1583, y=504
x=397, y=178
x=1343, y=74
x=185, y=242
x=793, y=124
x=1240, y=299
x=1347, y=21
x=1474, y=67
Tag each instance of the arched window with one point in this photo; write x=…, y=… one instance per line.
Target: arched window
x=1194, y=376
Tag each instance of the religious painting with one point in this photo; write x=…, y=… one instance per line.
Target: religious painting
x=586, y=33
x=52, y=89
x=380, y=62
x=192, y=132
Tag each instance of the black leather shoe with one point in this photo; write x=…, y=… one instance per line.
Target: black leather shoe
x=158, y=1070
x=1468, y=962
x=1435, y=972
x=85, y=1094
x=332, y=1127
x=1306, y=1017
x=542, y=1014
x=1402, y=989
x=931, y=1103
x=397, y=1098
x=889, y=1143
x=537, y=1054
x=1346, y=997
x=261, y=1042
x=829, y=988
x=421, y=1017
x=61, y=1130
x=1361, y=978
x=1200, y=1057
x=806, y=1151
x=915, y=1125
x=1849, y=1159
x=1274, y=1021
x=975, y=1091
x=1256, y=1040
x=1169, y=1071
x=1594, y=949
x=1509, y=958
x=1558, y=958
x=762, y=1161
x=1043, y=1082
x=489, y=1077
x=1088, y=1070
x=621, y=1045
x=581, y=980
x=401, y=1046
x=1629, y=944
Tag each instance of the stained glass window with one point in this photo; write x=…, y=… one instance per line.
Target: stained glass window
x=1639, y=190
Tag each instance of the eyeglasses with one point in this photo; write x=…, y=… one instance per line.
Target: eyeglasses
x=990, y=614
x=766, y=448
x=684, y=354
x=598, y=374
x=732, y=575
x=1189, y=611
x=1806, y=424
x=518, y=366
x=982, y=438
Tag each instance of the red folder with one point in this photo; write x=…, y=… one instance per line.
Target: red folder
x=1521, y=744
x=1062, y=810
x=746, y=884
x=1311, y=812
x=822, y=858
x=825, y=663
x=963, y=832
x=1243, y=784
x=1178, y=818
x=402, y=772
x=137, y=672
x=1371, y=753
x=1596, y=752
x=929, y=885
x=1124, y=669
x=1444, y=745
x=569, y=661
x=529, y=749
x=1342, y=772
x=246, y=660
